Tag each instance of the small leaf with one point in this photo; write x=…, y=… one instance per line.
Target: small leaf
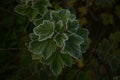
x=72, y=46
x=72, y=26
x=32, y=14
x=37, y=22
x=22, y=9
x=67, y=59
x=41, y=6
x=72, y=17
x=60, y=39
x=45, y=30
x=59, y=26
x=33, y=37
x=61, y=15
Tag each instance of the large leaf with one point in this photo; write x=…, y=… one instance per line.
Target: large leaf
x=72, y=26
x=57, y=61
x=60, y=39
x=45, y=30
x=72, y=46
x=44, y=48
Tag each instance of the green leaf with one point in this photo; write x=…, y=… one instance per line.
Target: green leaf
x=33, y=37
x=45, y=30
x=83, y=33
x=44, y=48
x=72, y=26
x=59, y=26
x=37, y=22
x=72, y=45
x=72, y=17
x=22, y=9
x=32, y=14
x=25, y=9
x=60, y=39
x=41, y=6
x=61, y=15
x=47, y=16
x=50, y=48
x=56, y=63
x=67, y=59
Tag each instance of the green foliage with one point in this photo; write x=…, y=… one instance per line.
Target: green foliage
x=58, y=47
x=57, y=30
x=32, y=8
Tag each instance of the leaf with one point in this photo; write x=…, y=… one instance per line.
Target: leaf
x=60, y=39
x=25, y=9
x=59, y=26
x=36, y=57
x=22, y=9
x=72, y=26
x=44, y=48
x=44, y=30
x=72, y=17
x=32, y=14
x=72, y=45
x=37, y=22
x=41, y=6
x=83, y=33
x=33, y=37
x=61, y=15
x=50, y=48
x=67, y=59
x=56, y=63
x=47, y=15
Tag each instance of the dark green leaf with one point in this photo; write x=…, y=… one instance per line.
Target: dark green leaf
x=72, y=45
x=44, y=30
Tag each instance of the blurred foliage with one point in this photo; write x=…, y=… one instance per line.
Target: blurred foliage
x=100, y=62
